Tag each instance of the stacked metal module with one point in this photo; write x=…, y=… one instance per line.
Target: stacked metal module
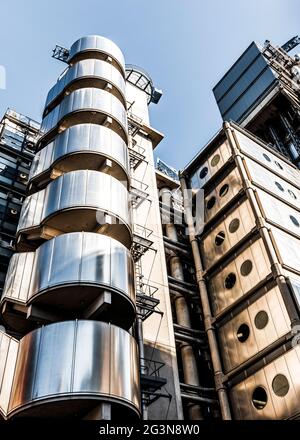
x=248, y=271
x=68, y=303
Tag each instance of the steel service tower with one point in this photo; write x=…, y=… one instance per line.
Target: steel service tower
x=69, y=302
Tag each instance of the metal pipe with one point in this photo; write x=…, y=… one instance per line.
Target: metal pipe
x=198, y=398
x=189, y=364
x=210, y=331
x=143, y=367
x=187, y=338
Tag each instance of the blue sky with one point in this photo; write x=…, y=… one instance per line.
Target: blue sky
x=185, y=45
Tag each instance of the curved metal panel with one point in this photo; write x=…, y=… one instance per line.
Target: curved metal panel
x=234, y=351
x=75, y=361
x=86, y=105
x=93, y=44
x=8, y=357
x=277, y=406
x=83, y=146
x=92, y=70
x=92, y=194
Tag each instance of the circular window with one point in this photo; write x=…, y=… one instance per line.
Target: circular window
x=215, y=160
x=234, y=225
x=279, y=165
x=211, y=202
x=280, y=385
x=246, y=268
x=230, y=281
x=267, y=157
x=220, y=237
x=259, y=398
x=294, y=220
x=224, y=190
x=292, y=194
x=243, y=333
x=279, y=186
x=203, y=172
x=261, y=320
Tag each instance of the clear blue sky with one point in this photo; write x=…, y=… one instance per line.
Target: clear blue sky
x=185, y=45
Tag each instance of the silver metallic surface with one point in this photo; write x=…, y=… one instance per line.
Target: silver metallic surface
x=287, y=248
x=222, y=297
x=69, y=273
x=8, y=356
x=83, y=146
x=280, y=213
x=86, y=105
x=80, y=363
x=273, y=183
x=267, y=158
x=211, y=252
x=234, y=352
x=277, y=407
x=90, y=72
x=90, y=194
x=84, y=46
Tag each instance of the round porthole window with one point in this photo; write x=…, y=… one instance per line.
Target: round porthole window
x=261, y=320
x=234, y=225
x=211, y=202
x=294, y=220
x=246, y=268
x=279, y=165
x=215, y=160
x=203, y=172
x=279, y=186
x=267, y=157
x=230, y=281
x=292, y=194
x=224, y=190
x=243, y=333
x=220, y=237
x=259, y=398
x=280, y=385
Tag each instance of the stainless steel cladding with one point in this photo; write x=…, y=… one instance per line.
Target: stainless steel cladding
x=83, y=146
x=211, y=166
x=268, y=181
x=237, y=223
x=271, y=393
x=88, y=73
x=93, y=195
x=73, y=366
x=8, y=356
x=279, y=213
x=85, y=105
x=222, y=194
x=253, y=329
x=268, y=160
x=95, y=46
x=72, y=272
x=235, y=279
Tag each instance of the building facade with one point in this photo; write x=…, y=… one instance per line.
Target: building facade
x=134, y=291
x=18, y=135
x=261, y=92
